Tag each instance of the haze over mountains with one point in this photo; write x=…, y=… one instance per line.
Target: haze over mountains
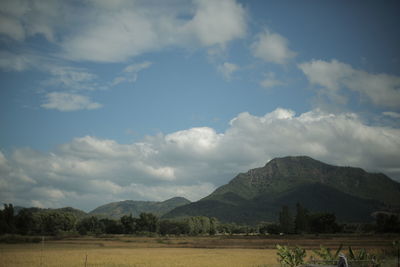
x=257, y=195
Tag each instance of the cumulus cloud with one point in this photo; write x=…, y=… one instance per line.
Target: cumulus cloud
x=114, y=32
x=217, y=22
x=272, y=47
x=334, y=77
x=227, y=69
x=68, y=102
x=21, y=19
x=88, y=171
x=117, y=32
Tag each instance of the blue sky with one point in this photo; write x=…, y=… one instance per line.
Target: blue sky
x=111, y=100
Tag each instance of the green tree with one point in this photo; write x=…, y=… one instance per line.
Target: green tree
x=172, y=227
x=323, y=223
x=25, y=222
x=7, y=219
x=53, y=222
x=387, y=223
x=213, y=226
x=273, y=229
x=301, y=219
x=286, y=220
x=147, y=222
x=129, y=224
x=112, y=226
x=90, y=225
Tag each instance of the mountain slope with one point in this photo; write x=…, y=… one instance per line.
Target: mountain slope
x=257, y=195
x=282, y=174
x=118, y=209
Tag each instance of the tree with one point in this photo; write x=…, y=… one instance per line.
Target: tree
x=53, y=222
x=147, y=222
x=112, y=226
x=273, y=229
x=7, y=223
x=129, y=224
x=90, y=225
x=301, y=219
x=323, y=223
x=170, y=227
x=25, y=222
x=387, y=223
x=286, y=220
x=213, y=226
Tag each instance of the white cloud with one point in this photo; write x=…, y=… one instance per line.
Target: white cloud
x=130, y=73
x=392, y=114
x=89, y=171
x=115, y=33
x=270, y=81
x=112, y=37
x=137, y=67
x=227, y=69
x=12, y=27
x=217, y=22
x=15, y=62
x=69, y=78
x=334, y=76
x=20, y=19
x=272, y=47
x=68, y=102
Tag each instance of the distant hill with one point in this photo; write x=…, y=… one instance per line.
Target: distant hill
x=116, y=210
x=257, y=195
x=79, y=214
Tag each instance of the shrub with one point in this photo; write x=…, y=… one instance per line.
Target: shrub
x=291, y=257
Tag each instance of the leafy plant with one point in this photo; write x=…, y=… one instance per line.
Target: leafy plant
x=326, y=253
x=363, y=255
x=291, y=256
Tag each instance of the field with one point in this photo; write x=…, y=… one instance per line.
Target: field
x=173, y=251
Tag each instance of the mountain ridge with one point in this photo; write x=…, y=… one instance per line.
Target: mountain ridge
x=118, y=209
x=281, y=174
x=259, y=193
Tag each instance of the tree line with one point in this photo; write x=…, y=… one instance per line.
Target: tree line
x=304, y=222
x=55, y=222
x=58, y=222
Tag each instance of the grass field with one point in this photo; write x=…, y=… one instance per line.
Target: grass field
x=173, y=252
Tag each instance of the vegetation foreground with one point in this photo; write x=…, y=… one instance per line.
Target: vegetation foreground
x=172, y=251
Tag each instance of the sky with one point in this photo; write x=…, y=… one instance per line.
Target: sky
x=105, y=101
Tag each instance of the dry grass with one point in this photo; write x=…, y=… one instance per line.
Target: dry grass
x=23, y=255
x=173, y=252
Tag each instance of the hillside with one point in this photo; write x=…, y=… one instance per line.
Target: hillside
x=116, y=210
x=257, y=195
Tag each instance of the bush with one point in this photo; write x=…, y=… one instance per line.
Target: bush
x=291, y=257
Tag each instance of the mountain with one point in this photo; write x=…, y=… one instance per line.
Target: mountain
x=116, y=210
x=257, y=195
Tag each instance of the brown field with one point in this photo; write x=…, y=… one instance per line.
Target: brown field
x=172, y=251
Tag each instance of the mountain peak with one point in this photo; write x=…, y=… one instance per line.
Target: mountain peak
x=259, y=193
x=286, y=173
x=303, y=161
